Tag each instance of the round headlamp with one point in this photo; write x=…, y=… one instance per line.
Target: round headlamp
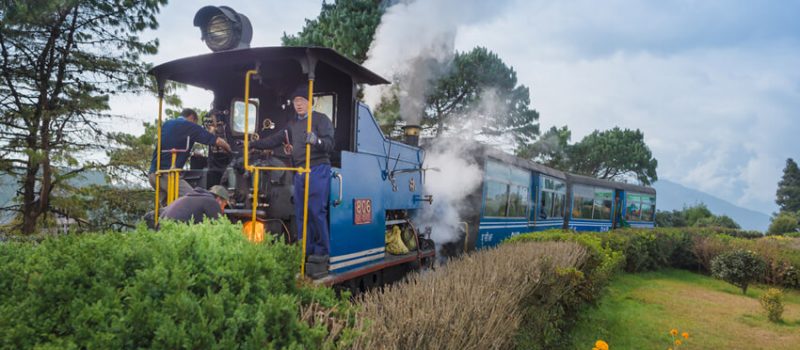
x=222, y=28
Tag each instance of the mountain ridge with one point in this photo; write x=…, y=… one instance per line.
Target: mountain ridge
x=674, y=196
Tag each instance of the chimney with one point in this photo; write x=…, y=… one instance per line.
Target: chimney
x=411, y=133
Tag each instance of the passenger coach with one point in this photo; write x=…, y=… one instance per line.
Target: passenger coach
x=519, y=196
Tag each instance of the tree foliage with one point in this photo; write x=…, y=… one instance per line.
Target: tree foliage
x=788, y=194
x=695, y=216
x=346, y=26
x=550, y=149
x=612, y=154
x=738, y=267
x=60, y=62
x=784, y=222
x=479, y=96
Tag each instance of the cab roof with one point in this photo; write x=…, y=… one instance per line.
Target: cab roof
x=209, y=70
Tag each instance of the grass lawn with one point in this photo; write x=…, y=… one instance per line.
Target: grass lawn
x=640, y=309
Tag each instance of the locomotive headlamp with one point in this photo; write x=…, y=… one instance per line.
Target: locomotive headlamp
x=222, y=28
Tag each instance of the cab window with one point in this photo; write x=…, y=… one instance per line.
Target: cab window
x=237, y=122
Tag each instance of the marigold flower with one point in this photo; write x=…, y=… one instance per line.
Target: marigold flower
x=595, y=349
x=601, y=345
x=673, y=332
x=678, y=342
x=685, y=335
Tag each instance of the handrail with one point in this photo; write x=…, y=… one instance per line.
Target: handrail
x=341, y=183
x=158, y=159
x=255, y=169
x=308, y=173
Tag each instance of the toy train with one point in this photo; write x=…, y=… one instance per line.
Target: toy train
x=377, y=183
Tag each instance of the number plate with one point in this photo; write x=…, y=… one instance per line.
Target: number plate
x=362, y=211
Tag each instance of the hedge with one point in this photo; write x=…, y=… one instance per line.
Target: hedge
x=196, y=286
x=688, y=248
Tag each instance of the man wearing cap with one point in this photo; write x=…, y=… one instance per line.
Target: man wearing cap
x=180, y=133
x=322, y=143
x=198, y=204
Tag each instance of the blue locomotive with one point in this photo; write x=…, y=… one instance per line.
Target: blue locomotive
x=377, y=184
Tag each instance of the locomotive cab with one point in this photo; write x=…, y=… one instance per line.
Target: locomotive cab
x=376, y=183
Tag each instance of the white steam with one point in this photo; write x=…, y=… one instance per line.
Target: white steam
x=415, y=43
x=413, y=46
x=458, y=176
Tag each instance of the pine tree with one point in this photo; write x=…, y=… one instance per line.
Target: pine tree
x=788, y=194
x=60, y=60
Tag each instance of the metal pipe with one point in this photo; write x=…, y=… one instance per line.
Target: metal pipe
x=255, y=201
x=307, y=175
x=158, y=158
x=247, y=117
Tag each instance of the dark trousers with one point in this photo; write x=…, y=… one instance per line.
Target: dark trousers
x=319, y=189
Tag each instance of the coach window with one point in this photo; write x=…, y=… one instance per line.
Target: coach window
x=582, y=201
x=648, y=208
x=634, y=210
x=602, y=204
x=506, y=191
x=496, y=198
x=553, y=194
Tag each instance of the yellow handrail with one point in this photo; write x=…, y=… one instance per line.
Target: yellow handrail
x=158, y=158
x=256, y=169
x=308, y=175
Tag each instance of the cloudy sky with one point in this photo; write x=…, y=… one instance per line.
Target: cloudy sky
x=714, y=85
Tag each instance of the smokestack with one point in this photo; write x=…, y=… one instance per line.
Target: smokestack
x=411, y=133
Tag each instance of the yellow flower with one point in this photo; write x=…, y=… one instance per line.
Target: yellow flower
x=601, y=345
x=595, y=349
x=685, y=335
x=677, y=342
x=673, y=332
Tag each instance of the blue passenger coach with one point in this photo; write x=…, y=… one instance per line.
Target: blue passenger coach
x=520, y=196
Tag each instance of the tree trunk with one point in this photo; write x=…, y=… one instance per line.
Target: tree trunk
x=29, y=211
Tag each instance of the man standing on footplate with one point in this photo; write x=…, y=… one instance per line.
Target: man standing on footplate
x=322, y=143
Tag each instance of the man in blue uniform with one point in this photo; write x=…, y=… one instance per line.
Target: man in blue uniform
x=322, y=143
x=198, y=204
x=178, y=134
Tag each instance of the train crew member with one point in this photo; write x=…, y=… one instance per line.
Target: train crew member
x=198, y=204
x=174, y=135
x=322, y=142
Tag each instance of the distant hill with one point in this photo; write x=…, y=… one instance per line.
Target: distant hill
x=8, y=186
x=673, y=196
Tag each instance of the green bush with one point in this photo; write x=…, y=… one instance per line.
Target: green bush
x=772, y=303
x=739, y=268
x=784, y=222
x=201, y=286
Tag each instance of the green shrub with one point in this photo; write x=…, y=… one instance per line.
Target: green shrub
x=201, y=286
x=784, y=222
x=739, y=268
x=772, y=303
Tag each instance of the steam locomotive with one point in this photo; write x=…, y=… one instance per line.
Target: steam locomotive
x=378, y=184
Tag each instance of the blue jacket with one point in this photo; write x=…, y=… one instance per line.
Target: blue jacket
x=173, y=135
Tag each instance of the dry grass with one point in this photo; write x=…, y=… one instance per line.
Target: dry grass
x=476, y=302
